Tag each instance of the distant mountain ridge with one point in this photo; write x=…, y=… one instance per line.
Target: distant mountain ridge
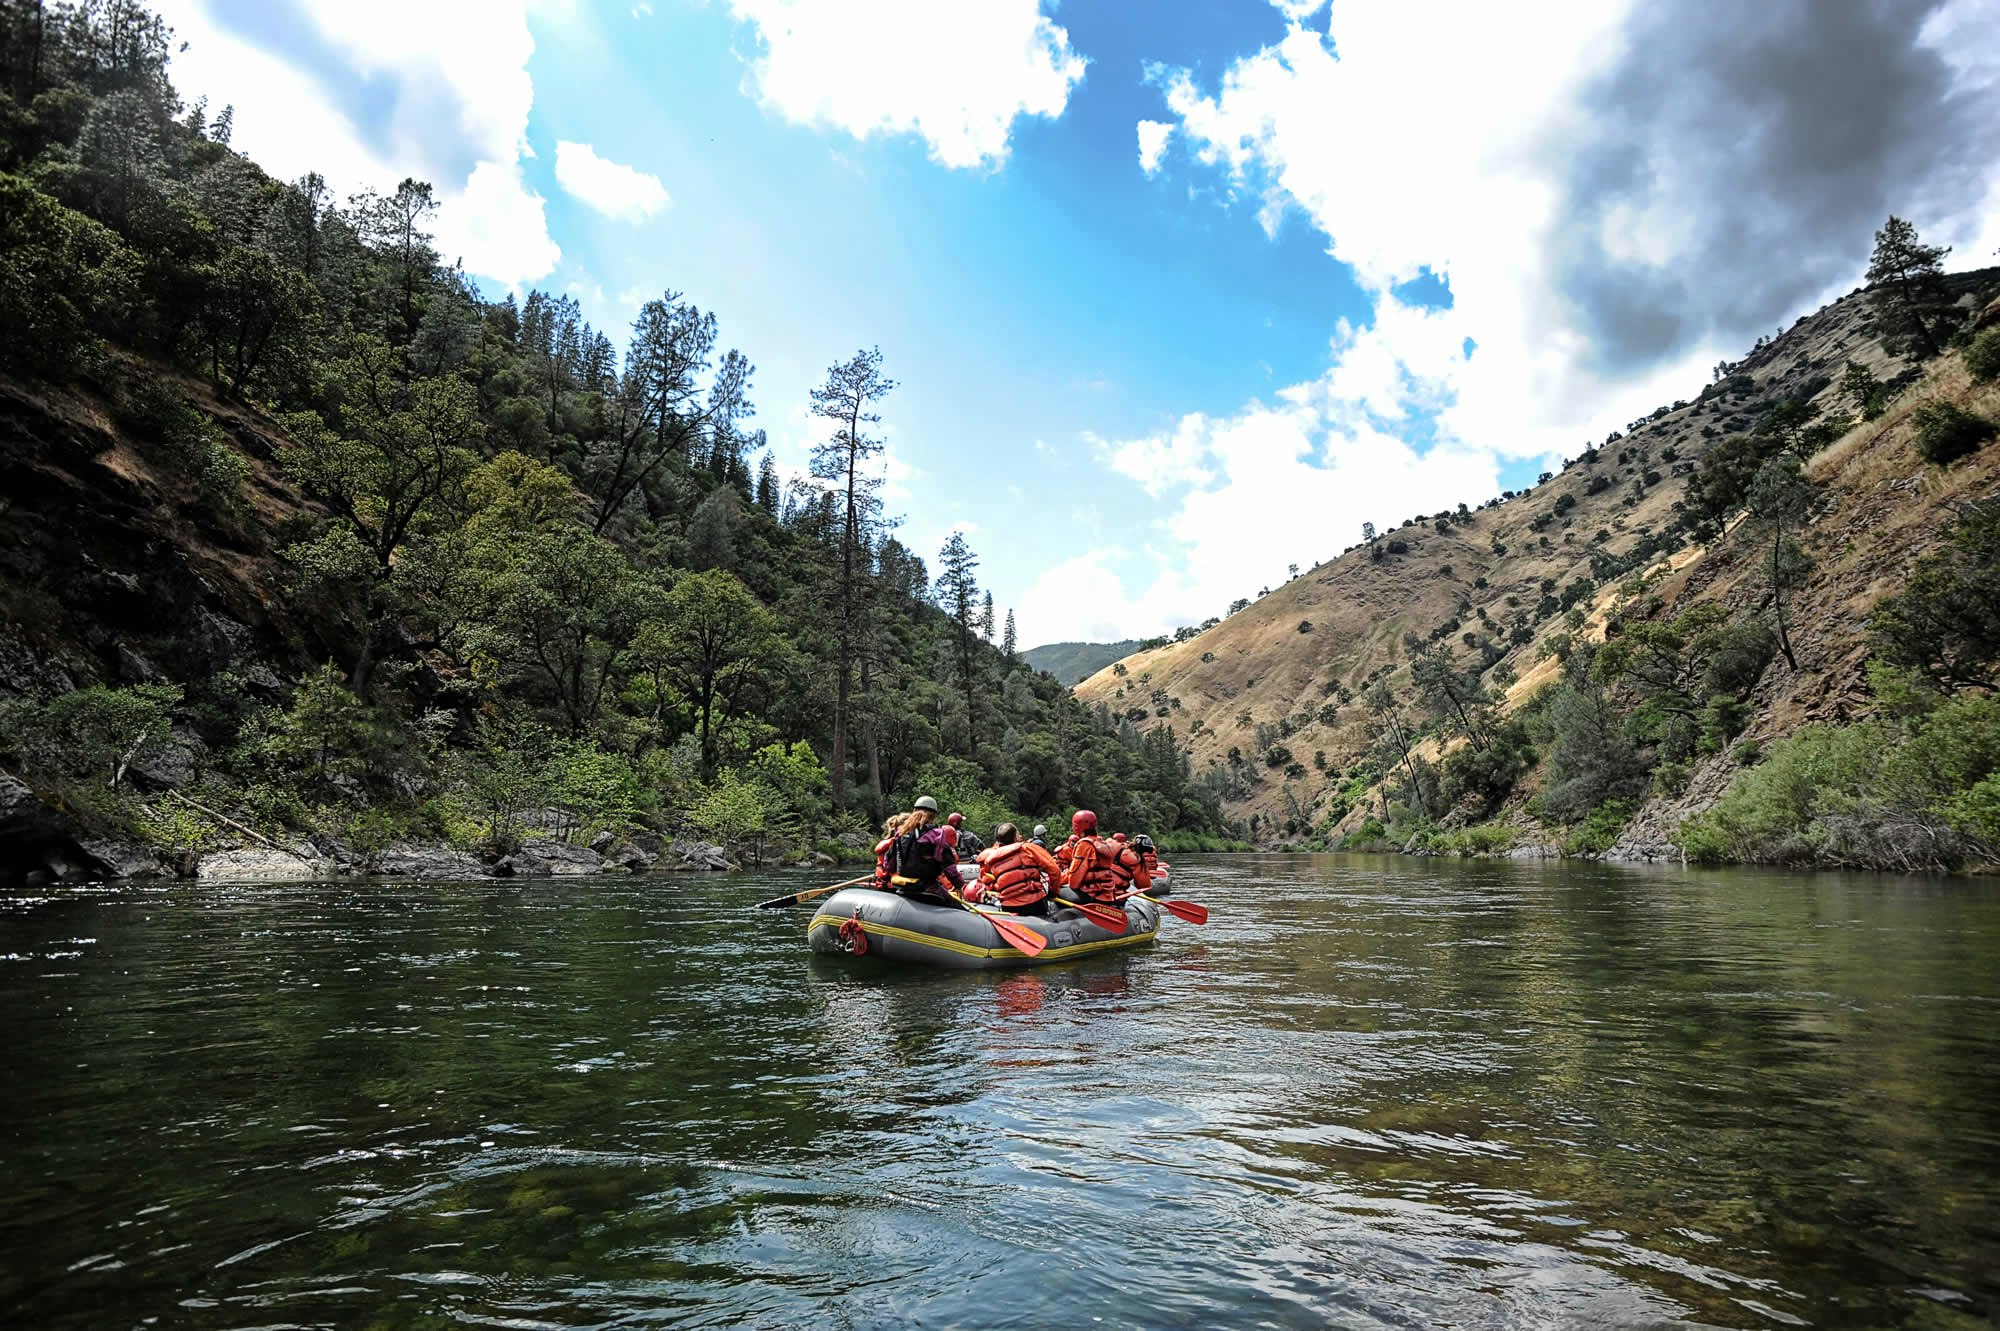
x=1074, y=662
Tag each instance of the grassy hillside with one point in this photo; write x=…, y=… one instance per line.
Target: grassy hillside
x=1271, y=703
x=1072, y=662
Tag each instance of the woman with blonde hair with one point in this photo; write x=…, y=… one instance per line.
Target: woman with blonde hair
x=916, y=858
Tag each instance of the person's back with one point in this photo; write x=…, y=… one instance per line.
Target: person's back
x=1104, y=870
x=1018, y=873
x=921, y=860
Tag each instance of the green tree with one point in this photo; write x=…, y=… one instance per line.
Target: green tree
x=1907, y=277
x=1008, y=637
x=565, y=604
x=106, y=730
x=1945, y=623
x=325, y=725
x=1781, y=501
x=958, y=596
x=714, y=637
x=1859, y=383
x=845, y=462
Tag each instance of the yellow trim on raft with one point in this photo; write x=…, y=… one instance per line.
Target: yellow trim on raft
x=1126, y=939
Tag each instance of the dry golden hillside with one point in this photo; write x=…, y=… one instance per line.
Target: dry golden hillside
x=1508, y=571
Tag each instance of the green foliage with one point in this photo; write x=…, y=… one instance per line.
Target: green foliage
x=65, y=281
x=1982, y=356
x=100, y=732
x=1945, y=623
x=1478, y=839
x=1479, y=779
x=734, y=811
x=1599, y=831
x=1947, y=432
x=1918, y=793
x=541, y=574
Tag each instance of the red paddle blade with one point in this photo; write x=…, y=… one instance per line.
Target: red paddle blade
x=1187, y=910
x=1024, y=940
x=1104, y=917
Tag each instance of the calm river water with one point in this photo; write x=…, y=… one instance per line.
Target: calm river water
x=1374, y=1092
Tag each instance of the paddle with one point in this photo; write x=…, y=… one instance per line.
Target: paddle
x=1104, y=917
x=1187, y=910
x=1024, y=939
x=796, y=897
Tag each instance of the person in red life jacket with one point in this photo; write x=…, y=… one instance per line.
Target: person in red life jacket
x=1017, y=873
x=920, y=857
x=1083, y=824
x=889, y=826
x=1104, y=870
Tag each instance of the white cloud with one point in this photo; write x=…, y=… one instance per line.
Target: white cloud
x=1603, y=229
x=1153, y=136
x=957, y=74
x=612, y=188
x=453, y=80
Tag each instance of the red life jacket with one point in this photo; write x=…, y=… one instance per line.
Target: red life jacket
x=1008, y=871
x=1110, y=874
x=1149, y=859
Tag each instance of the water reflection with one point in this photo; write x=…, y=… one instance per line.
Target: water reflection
x=1374, y=1092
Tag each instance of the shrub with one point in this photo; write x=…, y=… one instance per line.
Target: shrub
x=1982, y=356
x=1946, y=432
x=1879, y=794
x=1600, y=830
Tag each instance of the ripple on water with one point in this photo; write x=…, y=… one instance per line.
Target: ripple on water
x=1376, y=1093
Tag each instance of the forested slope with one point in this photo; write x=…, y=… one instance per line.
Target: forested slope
x=307, y=541
x=1623, y=638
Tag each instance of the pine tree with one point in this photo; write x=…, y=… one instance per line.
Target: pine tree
x=847, y=398
x=958, y=597
x=986, y=618
x=1908, y=280
x=767, y=484
x=1007, y=636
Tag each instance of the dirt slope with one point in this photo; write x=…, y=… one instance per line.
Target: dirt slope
x=1263, y=663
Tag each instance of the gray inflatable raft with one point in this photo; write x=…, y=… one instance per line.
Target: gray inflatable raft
x=900, y=929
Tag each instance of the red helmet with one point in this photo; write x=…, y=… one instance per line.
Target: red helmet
x=1083, y=821
x=956, y=820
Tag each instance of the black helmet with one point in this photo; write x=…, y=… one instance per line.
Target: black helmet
x=1142, y=842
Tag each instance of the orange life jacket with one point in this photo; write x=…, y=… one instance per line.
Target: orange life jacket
x=1013, y=872
x=1109, y=871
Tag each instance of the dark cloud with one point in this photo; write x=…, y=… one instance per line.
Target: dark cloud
x=1778, y=134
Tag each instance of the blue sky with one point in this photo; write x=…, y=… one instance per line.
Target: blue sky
x=1384, y=258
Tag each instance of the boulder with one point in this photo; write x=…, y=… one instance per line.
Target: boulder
x=564, y=860
x=821, y=859
x=118, y=859
x=630, y=858
x=259, y=864
x=521, y=865
x=24, y=819
x=701, y=856
x=427, y=862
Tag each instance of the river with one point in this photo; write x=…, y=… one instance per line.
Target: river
x=1373, y=1092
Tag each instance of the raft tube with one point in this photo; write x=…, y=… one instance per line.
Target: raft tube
x=901, y=929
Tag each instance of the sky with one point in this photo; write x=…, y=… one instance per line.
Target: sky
x=1176, y=294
